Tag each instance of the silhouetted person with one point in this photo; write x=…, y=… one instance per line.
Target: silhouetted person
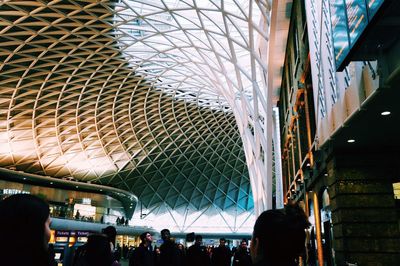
x=279, y=236
x=77, y=215
x=144, y=254
x=78, y=254
x=197, y=254
x=24, y=231
x=157, y=254
x=111, y=234
x=242, y=255
x=97, y=252
x=221, y=255
x=169, y=253
x=125, y=251
x=182, y=253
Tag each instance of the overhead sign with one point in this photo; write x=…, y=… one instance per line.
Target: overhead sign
x=349, y=19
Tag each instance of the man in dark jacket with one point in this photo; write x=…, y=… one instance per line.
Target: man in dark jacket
x=144, y=254
x=221, y=255
x=197, y=254
x=169, y=253
x=242, y=255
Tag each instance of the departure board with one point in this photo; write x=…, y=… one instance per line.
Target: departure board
x=349, y=19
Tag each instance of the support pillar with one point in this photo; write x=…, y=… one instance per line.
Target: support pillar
x=365, y=223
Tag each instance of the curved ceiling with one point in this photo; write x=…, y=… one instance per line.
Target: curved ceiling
x=133, y=94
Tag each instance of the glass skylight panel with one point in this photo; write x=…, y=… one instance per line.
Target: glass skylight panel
x=197, y=39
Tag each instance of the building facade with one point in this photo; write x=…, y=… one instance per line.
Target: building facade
x=338, y=128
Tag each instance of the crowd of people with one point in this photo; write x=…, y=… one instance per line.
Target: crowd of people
x=278, y=240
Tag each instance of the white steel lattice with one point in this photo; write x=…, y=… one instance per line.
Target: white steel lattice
x=154, y=97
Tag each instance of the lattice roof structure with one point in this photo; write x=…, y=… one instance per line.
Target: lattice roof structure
x=154, y=97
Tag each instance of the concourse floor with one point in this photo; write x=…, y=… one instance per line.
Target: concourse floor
x=124, y=262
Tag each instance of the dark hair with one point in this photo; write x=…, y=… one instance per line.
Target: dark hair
x=164, y=231
x=22, y=229
x=111, y=233
x=222, y=239
x=164, y=236
x=98, y=251
x=281, y=233
x=198, y=238
x=143, y=236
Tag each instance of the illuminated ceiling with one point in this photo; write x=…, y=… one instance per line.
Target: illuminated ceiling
x=154, y=97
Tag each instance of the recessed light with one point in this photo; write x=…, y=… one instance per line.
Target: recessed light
x=51, y=183
x=24, y=178
x=76, y=186
x=351, y=141
x=101, y=190
x=385, y=113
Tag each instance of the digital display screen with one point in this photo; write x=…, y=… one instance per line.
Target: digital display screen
x=373, y=6
x=356, y=18
x=62, y=239
x=349, y=19
x=82, y=239
x=339, y=30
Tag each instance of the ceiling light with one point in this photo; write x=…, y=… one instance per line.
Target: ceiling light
x=351, y=141
x=24, y=178
x=385, y=113
x=51, y=183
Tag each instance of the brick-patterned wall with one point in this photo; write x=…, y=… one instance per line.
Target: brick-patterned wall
x=365, y=224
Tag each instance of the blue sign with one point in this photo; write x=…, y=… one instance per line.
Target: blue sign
x=349, y=19
x=373, y=6
x=340, y=32
x=357, y=18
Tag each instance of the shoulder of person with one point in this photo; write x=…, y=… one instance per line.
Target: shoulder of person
x=116, y=263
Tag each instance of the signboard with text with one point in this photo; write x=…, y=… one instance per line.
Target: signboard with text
x=349, y=19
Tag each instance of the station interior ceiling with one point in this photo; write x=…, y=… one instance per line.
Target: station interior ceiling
x=128, y=95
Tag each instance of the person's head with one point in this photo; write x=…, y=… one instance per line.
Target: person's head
x=111, y=233
x=146, y=238
x=243, y=244
x=279, y=235
x=222, y=242
x=180, y=246
x=24, y=217
x=198, y=239
x=98, y=250
x=165, y=234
